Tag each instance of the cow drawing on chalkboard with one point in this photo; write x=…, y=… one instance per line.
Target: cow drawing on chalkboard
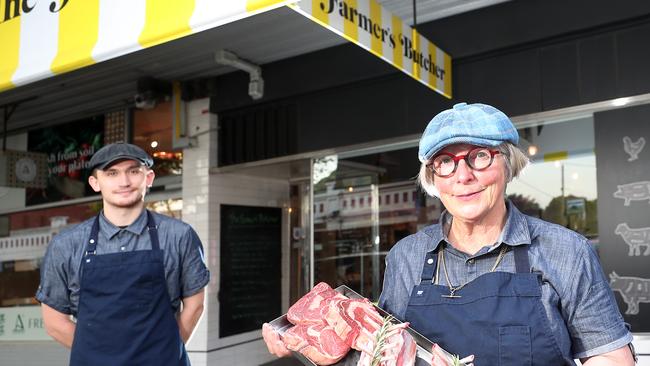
x=637, y=191
x=635, y=239
x=634, y=290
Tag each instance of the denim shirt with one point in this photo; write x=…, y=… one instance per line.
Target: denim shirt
x=576, y=296
x=185, y=269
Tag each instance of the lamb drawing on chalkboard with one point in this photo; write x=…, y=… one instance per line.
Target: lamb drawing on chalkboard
x=634, y=290
x=635, y=238
x=633, y=148
x=636, y=191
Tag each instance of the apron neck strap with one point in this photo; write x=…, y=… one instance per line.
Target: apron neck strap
x=430, y=265
x=522, y=265
x=153, y=231
x=91, y=248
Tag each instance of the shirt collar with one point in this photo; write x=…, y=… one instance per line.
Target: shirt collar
x=515, y=231
x=136, y=227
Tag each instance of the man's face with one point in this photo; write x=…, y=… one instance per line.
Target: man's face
x=123, y=184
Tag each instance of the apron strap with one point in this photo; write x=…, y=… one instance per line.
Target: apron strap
x=430, y=265
x=522, y=265
x=91, y=247
x=153, y=231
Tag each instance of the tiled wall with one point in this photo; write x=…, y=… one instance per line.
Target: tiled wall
x=202, y=196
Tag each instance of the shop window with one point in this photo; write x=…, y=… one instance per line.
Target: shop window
x=20, y=268
x=360, y=201
x=559, y=186
x=352, y=203
x=152, y=131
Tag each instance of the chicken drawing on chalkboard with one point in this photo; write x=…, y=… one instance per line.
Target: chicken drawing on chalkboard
x=634, y=290
x=636, y=191
x=635, y=239
x=633, y=148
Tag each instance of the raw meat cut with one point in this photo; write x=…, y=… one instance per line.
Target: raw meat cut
x=354, y=320
x=318, y=342
x=399, y=349
x=308, y=309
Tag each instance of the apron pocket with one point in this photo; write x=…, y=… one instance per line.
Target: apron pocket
x=515, y=346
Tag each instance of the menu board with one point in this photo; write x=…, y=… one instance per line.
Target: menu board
x=623, y=173
x=250, y=276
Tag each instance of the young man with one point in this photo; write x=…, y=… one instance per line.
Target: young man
x=123, y=274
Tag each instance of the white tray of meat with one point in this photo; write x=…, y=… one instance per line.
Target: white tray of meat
x=340, y=327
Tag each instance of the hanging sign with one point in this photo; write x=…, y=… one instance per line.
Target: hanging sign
x=369, y=25
x=44, y=38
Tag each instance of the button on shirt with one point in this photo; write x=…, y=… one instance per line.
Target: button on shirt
x=184, y=262
x=576, y=296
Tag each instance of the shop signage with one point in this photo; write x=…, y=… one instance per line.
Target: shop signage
x=66, y=150
x=44, y=38
x=22, y=323
x=623, y=180
x=369, y=25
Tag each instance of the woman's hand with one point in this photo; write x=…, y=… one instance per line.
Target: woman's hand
x=273, y=341
x=440, y=358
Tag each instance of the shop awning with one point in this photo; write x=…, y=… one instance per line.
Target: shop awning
x=42, y=39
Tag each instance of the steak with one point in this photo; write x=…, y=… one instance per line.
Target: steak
x=318, y=342
x=355, y=321
x=308, y=310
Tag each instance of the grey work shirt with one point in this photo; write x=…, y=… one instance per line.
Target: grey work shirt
x=578, y=301
x=185, y=269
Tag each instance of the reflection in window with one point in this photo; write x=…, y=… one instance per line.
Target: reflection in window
x=560, y=183
x=152, y=131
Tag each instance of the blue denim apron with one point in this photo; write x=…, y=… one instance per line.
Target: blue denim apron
x=125, y=315
x=498, y=317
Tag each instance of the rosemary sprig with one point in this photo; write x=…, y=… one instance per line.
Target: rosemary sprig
x=380, y=340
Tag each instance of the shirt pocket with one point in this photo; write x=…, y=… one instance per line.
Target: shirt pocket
x=515, y=346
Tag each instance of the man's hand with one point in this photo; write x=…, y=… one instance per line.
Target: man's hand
x=58, y=325
x=273, y=341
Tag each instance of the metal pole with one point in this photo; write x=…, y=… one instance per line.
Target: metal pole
x=415, y=14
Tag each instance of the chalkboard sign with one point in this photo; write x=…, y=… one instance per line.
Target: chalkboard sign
x=623, y=173
x=250, y=287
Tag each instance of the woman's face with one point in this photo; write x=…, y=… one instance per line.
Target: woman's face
x=470, y=195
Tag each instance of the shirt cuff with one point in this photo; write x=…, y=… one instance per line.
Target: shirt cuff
x=43, y=299
x=621, y=342
x=197, y=286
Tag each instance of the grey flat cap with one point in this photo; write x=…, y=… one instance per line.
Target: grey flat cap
x=111, y=153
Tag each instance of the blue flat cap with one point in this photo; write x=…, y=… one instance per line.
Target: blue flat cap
x=474, y=124
x=111, y=153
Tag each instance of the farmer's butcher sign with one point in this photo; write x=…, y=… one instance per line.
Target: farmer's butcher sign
x=623, y=176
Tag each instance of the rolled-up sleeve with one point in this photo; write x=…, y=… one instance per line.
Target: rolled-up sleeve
x=53, y=289
x=594, y=321
x=194, y=271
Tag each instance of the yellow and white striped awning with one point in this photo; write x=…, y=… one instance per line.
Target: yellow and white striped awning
x=39, y=39
x=371, y=26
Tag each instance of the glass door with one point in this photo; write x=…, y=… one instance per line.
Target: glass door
x=346, y=225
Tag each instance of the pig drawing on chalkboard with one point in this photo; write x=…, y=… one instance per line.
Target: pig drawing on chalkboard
x=635, y=239
x=637, y=191
x=634, y=290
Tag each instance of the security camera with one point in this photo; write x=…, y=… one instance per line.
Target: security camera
x=256, y=83
x=144, y=100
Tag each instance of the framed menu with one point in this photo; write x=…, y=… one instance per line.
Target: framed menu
x=250, y=271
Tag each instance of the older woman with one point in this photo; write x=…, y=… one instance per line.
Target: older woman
x=488, y=280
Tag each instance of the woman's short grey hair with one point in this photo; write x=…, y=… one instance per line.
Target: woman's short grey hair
x=514, y=158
